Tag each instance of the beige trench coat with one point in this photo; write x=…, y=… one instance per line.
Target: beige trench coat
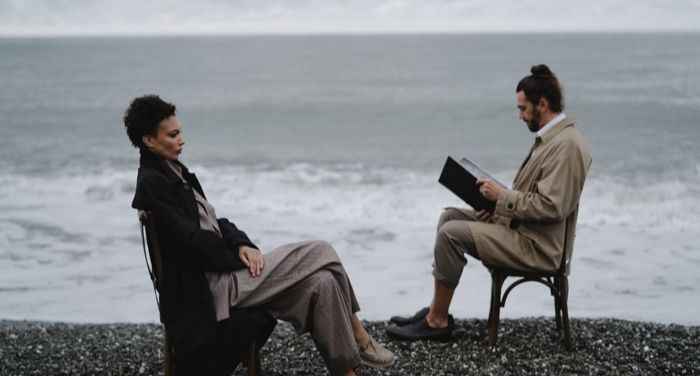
x=529, y=230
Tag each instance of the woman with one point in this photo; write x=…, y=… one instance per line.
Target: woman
x=211, y=266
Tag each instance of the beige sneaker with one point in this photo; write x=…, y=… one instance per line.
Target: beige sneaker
x=380, y=358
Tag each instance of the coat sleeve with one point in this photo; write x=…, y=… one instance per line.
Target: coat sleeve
x=233, y=236
x=202, y=248
x=557, y=191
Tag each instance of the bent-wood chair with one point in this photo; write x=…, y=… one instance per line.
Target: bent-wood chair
x=254, y=320
x=557, y=282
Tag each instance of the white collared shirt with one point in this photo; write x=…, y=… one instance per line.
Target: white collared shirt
x=551, y=124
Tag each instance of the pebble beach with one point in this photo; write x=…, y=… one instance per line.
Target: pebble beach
x=526, y=346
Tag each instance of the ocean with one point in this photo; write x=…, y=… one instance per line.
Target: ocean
x=342, y=138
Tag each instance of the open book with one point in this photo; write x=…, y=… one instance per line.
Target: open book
x=460, y=178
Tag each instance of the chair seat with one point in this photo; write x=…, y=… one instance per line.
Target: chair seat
x=522, y=273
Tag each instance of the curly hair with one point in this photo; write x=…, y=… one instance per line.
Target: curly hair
x=144, y=116
x=542, y=83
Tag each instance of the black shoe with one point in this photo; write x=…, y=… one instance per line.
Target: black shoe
x=421, y=330
x=405, y=320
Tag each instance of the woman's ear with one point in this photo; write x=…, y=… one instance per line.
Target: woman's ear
x=147, y=140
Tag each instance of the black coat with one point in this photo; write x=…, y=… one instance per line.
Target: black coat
x=188, y=251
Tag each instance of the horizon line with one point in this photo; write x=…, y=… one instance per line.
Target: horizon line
x=337, y=33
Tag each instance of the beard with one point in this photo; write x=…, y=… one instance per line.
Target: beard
x=534, y=123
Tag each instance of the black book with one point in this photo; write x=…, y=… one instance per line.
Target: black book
x=460, y=178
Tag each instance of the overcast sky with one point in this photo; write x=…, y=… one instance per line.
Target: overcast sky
x=58, y=17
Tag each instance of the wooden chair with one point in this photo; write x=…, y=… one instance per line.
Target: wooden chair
x=556, y=281
x=253, y=317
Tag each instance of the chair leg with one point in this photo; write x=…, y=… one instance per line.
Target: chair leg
x=496, y=285
x=493, y=286
x=564, y=293
x=167, y=357
x=253, y=361
x=557, y=303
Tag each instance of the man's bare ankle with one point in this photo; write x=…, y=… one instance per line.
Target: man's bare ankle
x=436, y=321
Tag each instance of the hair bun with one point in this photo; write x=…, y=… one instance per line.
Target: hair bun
x=541, y=70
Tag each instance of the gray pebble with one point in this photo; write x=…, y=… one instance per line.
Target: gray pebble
x=526, y=346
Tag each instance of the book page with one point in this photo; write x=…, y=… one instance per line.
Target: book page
x=477, y=171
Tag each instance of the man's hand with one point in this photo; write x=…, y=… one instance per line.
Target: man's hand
x=489, y=189
x=252, y=258
x=485, y=216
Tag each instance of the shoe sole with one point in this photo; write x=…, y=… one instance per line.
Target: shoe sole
x=404, y=323
x=378, y=365
x=440, y=338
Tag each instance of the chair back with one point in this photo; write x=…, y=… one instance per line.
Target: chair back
x=569, y=235
x=151, y=252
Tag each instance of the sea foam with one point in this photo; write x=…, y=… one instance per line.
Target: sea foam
x=70, y=247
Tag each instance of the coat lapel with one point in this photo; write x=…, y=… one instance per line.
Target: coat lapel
x=532, y=160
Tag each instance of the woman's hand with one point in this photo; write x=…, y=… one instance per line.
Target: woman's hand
x=252, y=258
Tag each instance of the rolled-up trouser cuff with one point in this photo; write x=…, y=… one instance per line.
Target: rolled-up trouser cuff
x=443, y=279
x=454, y=239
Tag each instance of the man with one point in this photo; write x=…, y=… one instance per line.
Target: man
x=526, y=229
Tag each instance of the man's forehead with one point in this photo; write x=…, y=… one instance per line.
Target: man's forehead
x=521, y=99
